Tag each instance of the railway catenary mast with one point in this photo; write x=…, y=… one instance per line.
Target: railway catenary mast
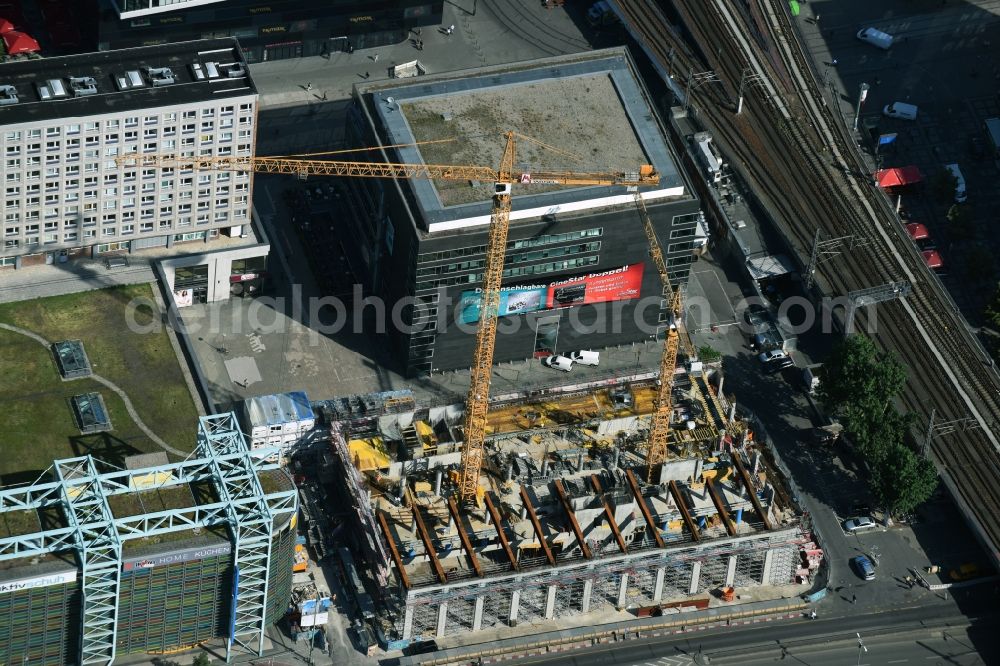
x=477, y=403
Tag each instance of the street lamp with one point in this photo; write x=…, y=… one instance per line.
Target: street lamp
x=861, y=100
x=861, y=647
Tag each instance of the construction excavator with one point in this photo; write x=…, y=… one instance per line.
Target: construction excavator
x=504, y=177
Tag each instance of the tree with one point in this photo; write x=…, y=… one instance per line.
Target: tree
x=860, y=385
x=992, y=311
x=201, y=660
x=904, y=479
x=707, y=353
x=857, y=373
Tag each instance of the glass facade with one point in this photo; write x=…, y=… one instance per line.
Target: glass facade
x=162, y=608
x=271, y=30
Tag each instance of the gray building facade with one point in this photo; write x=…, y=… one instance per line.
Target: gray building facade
x=578, y=271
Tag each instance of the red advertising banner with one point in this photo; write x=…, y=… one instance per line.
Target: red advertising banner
x=614, y=285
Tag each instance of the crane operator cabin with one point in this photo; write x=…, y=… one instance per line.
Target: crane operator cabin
x=577, y=272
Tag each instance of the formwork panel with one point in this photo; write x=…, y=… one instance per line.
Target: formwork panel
x=532, y=604
x=425, y=618
x=461, y=612
x=713, y=572
x=495, y=608
x=677, y=580
x=784, y=561
x=569, y=599
x=640, y=587
x=749, y=568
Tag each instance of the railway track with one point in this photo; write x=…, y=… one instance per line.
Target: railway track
x=820, y=182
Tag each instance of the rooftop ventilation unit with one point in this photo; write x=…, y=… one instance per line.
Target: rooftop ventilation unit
x=83, y=85
x=51, y=89
x=160, y=76
x=130, y=79
x=236, y=71
x=8, y=95
x=213, y=69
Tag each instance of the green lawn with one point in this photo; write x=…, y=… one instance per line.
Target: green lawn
x=36, y=419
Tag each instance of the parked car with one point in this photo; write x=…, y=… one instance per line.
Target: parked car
x=771, y=356
x=863, y=567
x=859, y=523
x=558, y=362
x=585, y=357
x=900, y=110
x=861, y=509
x=778, y=365
x=882, y=40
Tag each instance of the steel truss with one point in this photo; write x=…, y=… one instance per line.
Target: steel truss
x=223, y=459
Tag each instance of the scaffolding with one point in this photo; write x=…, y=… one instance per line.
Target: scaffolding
x=91, y=531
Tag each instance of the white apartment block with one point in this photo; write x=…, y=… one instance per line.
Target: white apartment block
x=65, y=120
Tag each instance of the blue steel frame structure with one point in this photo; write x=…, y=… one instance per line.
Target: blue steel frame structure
x=221, y=458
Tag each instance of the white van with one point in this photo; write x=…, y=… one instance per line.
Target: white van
x=960, y=194
x=900, y=110
x=586, y=357
x=882, y=40
x=558, y=362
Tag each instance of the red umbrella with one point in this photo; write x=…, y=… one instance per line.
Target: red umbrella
x=5, y=26
x=933, y=259
x=19, y=42
x=917, y=231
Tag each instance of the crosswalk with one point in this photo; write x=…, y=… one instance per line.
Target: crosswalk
x=672, y=660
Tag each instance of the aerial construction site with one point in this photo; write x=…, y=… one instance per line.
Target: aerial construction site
x=567, y=520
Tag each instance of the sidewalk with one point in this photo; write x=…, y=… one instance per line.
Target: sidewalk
x=514, y=30
x=493, y=650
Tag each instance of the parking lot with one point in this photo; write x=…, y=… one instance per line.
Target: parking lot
x=944, y=60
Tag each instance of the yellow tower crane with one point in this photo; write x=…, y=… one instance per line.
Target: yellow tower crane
x=477, y=402
x=663, y=406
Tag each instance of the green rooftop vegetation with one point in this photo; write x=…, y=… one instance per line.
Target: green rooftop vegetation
x=37, y=424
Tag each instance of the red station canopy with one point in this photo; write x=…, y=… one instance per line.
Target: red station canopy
x=19, y=42
x=898, y=177
x=5, y=26
x=933, y=258
x=917, y=231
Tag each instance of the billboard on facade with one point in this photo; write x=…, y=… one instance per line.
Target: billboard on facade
x=614, y=285
x=175, y=557
x=620, y=284
x=513, y=300
x=38, y=581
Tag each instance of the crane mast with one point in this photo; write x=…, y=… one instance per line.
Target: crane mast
x=477, y=403
x=663, y=408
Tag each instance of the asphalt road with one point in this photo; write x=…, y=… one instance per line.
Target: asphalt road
x=914, y=637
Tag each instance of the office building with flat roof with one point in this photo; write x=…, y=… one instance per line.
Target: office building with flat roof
x=65, y=123
x=578, y=272
x=273, y=30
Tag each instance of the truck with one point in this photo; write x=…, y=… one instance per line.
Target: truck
x=707, y=158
